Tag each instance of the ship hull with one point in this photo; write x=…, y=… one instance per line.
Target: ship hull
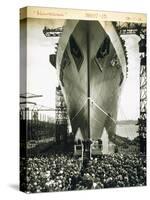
x=91, y=69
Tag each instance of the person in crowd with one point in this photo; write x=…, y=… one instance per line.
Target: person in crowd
x=59, y=172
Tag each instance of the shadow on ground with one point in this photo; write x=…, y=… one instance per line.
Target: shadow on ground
x=14, y=186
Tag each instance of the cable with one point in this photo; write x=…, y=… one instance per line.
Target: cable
x=102, y=110
x=79, y=110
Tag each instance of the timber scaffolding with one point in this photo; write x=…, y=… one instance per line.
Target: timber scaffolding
x=143, y=95
x=61, y=117
x=61, y=108
x=30, y=110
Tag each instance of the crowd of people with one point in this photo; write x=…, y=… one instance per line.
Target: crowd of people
x=59, y=172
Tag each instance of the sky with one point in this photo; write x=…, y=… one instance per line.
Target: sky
x=42, y=79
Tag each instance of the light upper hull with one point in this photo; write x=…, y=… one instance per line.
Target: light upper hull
x=91, y=69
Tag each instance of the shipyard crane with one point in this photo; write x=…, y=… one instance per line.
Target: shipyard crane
x=139, y=30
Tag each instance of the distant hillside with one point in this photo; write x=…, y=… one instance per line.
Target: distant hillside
x=126, y=122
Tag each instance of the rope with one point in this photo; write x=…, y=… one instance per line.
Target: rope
x=97, y=106
x=102, y=110
x=79, y=110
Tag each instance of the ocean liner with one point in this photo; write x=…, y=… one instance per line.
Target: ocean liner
x=91, y=67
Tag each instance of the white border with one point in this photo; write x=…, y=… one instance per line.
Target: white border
x=9, y=98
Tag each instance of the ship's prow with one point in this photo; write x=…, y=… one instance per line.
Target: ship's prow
x=91, y=67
